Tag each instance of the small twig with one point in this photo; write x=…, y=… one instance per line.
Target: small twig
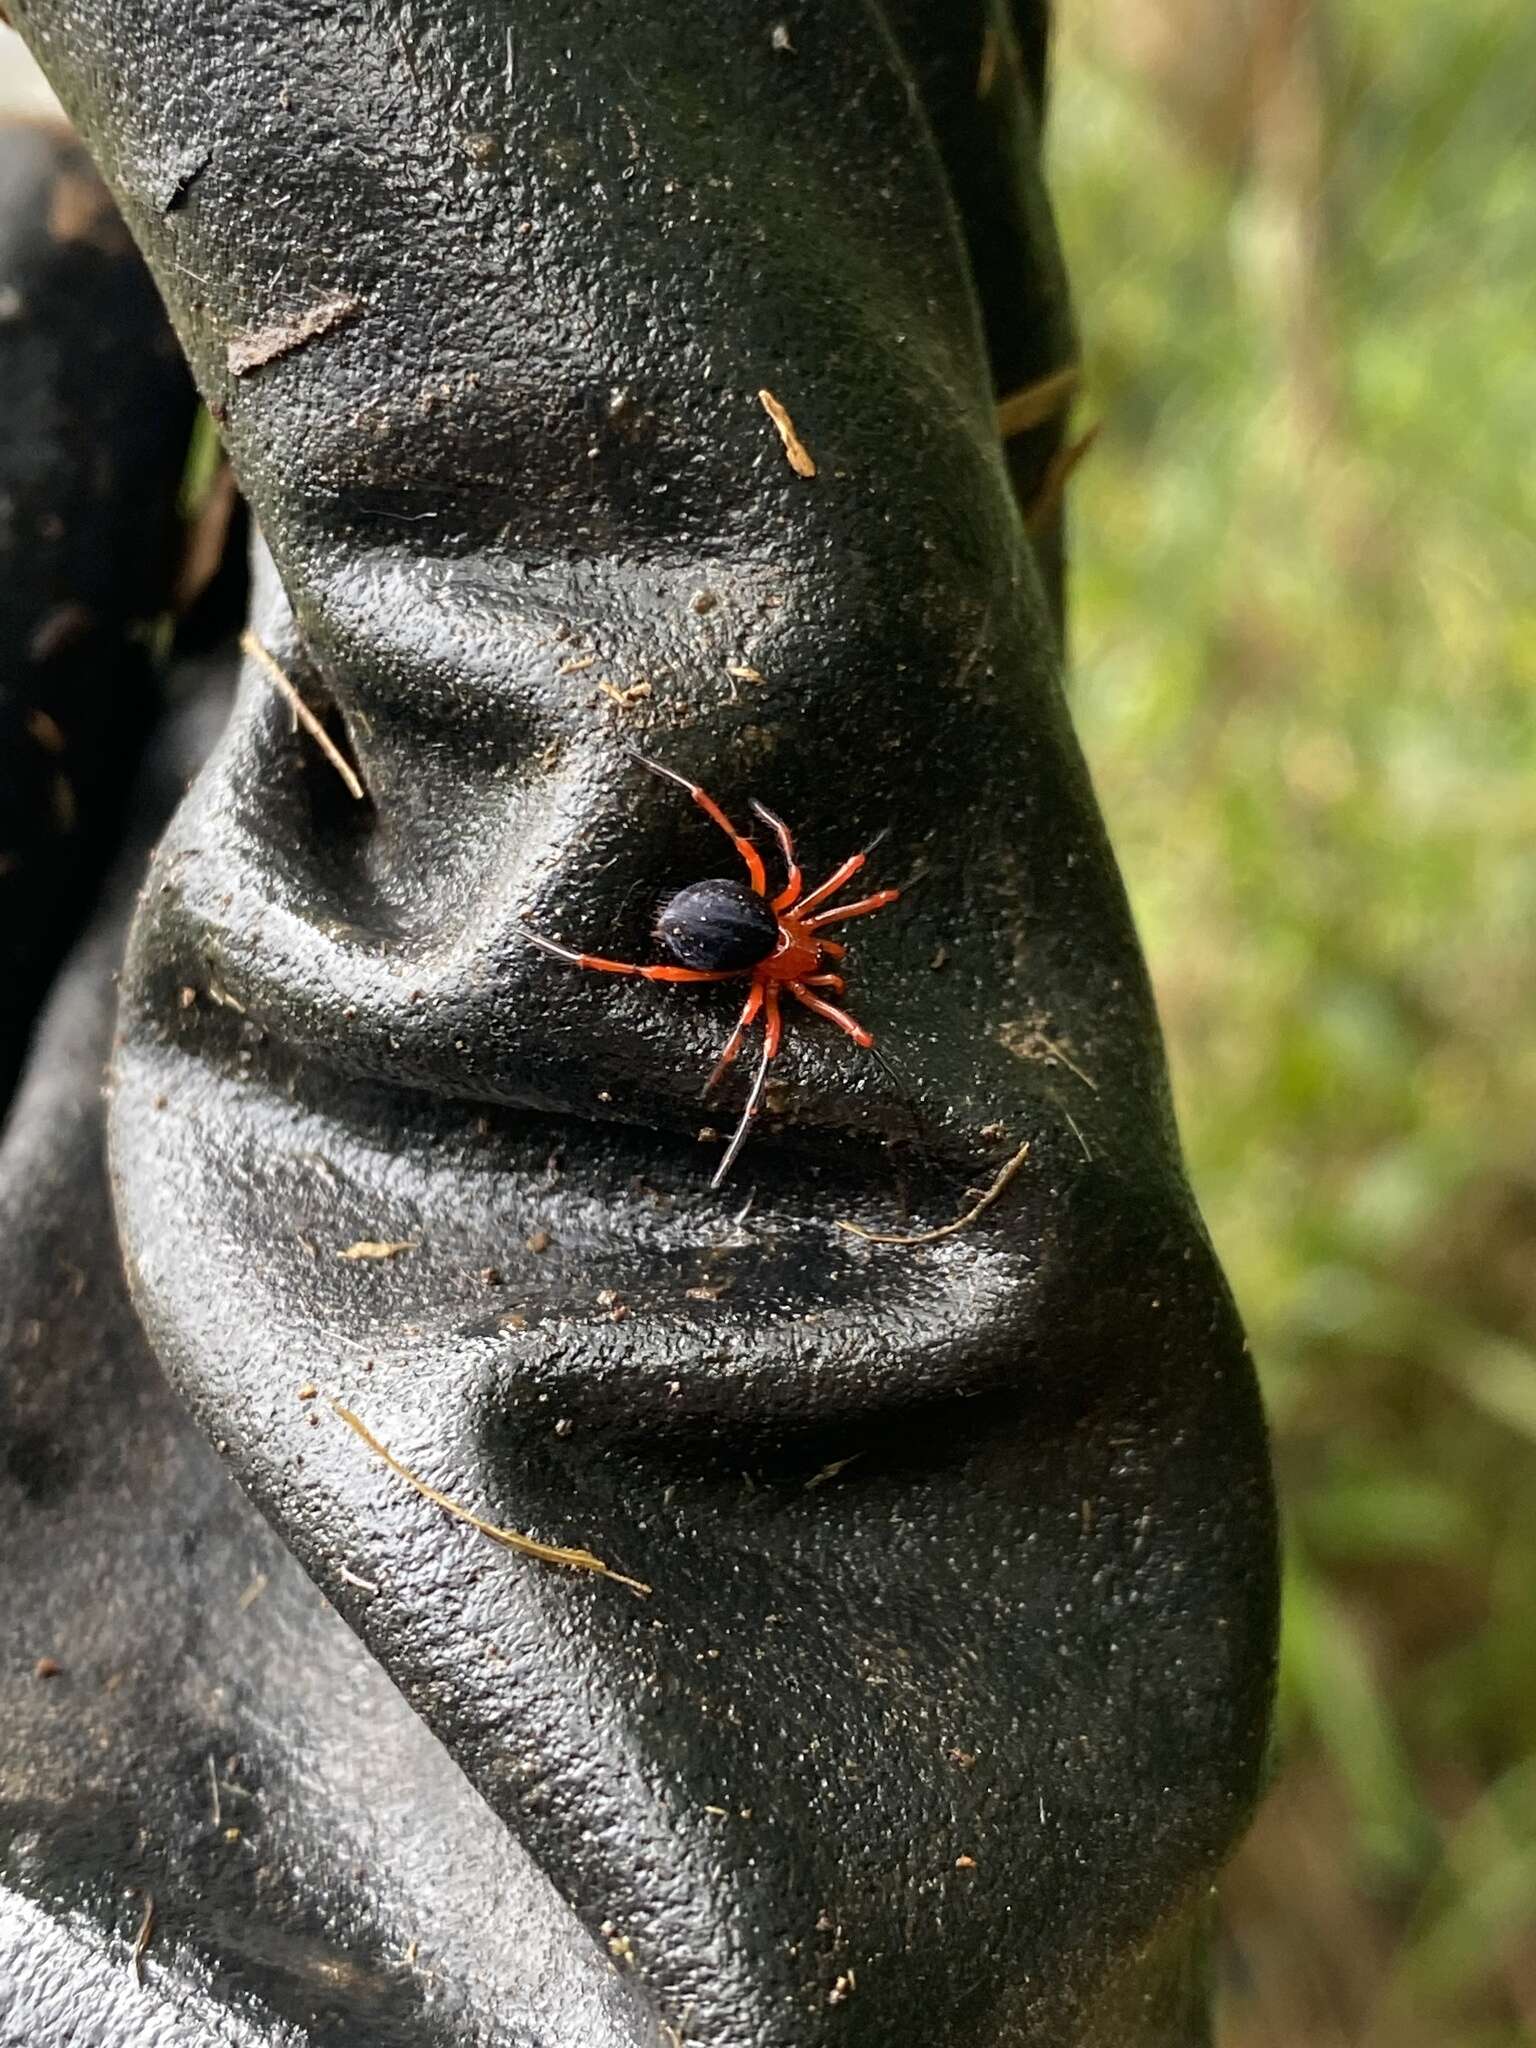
x=250, y=645
x=964, y=1222
x=801, y=460
x=1054, y=482
x=1037, y=402
x=379, y=1248
x=142, y=1940
x=831, y=1471
x=510, y=1539
x=217, y=1816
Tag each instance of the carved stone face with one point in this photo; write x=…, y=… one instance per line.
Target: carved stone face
x=951, y=1682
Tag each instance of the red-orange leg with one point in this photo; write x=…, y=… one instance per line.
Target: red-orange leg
x=840, y=1018
x=773, y=1023
x=628, y=966
x=832, y=981
x=772, y=1033
x=734, y=1043
x=793, y=879
x=838, y=879
x=862, y=908
x=757, y=875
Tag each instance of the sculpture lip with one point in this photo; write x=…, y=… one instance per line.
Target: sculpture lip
x=583, y=1266
x=525, y=1148
x=541, y=1046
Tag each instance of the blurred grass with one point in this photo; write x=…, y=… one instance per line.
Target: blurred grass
x=1304, y=584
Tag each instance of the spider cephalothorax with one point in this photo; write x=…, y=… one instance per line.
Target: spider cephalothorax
x=721, y=930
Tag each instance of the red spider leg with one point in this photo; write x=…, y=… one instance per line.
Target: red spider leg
x=862, y=908
x=772, y=1028
x=793, y=880
x=840, y=1018
x=832, y=949
x=832, y=981
x=628, y=966
x=733, y=1043
x=838, y=879
x=756, y=873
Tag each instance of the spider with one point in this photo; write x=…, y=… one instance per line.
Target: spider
x=723, y=930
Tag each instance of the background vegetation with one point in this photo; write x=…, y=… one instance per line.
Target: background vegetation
x=1304, y=246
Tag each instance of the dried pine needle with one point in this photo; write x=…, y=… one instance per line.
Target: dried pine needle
x=1037, y=402
x=250, y=645
x=978, y=1209
x=801, y=460
x=510, y=1539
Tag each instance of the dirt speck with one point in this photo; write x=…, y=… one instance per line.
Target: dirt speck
x=799, y=457
x=256, y=347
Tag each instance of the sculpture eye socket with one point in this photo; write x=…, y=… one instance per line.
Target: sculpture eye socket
x=718, y=926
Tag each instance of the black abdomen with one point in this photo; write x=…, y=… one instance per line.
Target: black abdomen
x=718, y=926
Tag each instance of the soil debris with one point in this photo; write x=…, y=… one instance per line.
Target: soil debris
x=801, y=460
x=379, y=1248
x=633, y=693
x=1030, y=1041
x=258, y=346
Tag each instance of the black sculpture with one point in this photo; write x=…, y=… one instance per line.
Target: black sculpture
x=949, y=1691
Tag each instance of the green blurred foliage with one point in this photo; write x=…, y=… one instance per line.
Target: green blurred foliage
x=1304, y=586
